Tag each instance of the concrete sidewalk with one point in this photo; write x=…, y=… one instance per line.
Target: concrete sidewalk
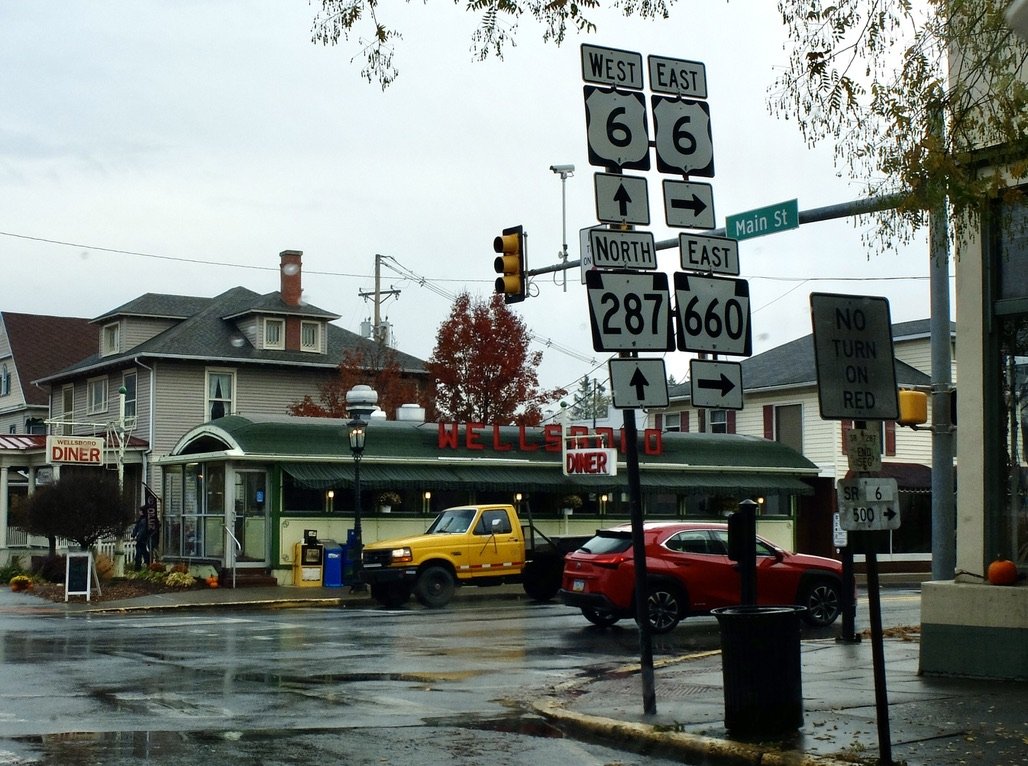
x=931, y=720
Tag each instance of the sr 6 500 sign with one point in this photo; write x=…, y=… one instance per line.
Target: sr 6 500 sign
x=630, y=311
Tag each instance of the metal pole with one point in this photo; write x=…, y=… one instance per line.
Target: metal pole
x=639, y=554
x=358, y=580
x=874, y=604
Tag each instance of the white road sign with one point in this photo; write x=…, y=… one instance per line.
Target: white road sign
x=716, y=255
x=612, y=66
x=868, y=504
x=717, y=385
x=586, y=250
x=856, y=370
x=630, y=311
x=638, y=383
x=616, y=128
x=713, y=314
x=864, y=449
x=622, y=199
x=677, y=77
x=682, y=136
x=615, y=249
x=689, y=205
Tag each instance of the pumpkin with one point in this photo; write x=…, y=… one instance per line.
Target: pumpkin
x=1002, y=572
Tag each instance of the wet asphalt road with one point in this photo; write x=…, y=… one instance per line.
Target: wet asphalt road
x=311, y=686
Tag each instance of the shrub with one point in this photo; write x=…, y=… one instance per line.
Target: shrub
x=104, y=567
x=156, y=566
x=51, y=569
x=180, y=580
x=11, y=569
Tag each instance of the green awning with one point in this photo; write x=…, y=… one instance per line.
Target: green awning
x=532, y=478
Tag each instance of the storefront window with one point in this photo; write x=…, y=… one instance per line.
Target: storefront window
x=194, y=511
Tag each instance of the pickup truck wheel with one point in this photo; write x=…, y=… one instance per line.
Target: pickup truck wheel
x=600, y=617
x=435, y=587
x=541, y=580
x=391, y=595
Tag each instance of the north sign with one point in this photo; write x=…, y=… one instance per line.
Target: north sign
x=616, y=128
x=856, y=369
x=612, y=66
x=715, y=255
x=638, y=383
x=682, y=136
x=717, y=385
x=613, y=249
x=630, y=311
x=622, y=199
x=713, y=314
x=677, y=77
x=689, y=205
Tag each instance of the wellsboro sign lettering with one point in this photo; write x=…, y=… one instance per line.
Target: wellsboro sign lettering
x=480, y=436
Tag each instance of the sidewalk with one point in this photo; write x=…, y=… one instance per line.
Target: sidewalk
x=933, y=721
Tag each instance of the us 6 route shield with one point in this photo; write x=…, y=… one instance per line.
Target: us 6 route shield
x=630, y=311
x=713, y=314
x=616, y=130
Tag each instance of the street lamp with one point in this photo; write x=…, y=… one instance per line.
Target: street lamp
x=360, y=400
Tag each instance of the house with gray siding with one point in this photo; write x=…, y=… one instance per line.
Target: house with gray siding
x=162, y=364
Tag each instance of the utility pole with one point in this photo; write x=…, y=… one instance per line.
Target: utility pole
x=379, y=295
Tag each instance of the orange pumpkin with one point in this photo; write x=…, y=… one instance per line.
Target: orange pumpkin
x=1002, y=572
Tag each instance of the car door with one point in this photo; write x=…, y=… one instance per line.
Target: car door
x=496, y=547
x=701, y=564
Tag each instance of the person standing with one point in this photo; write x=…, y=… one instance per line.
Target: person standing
x=141, y=534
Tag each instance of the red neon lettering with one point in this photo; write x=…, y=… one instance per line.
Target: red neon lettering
x=552, y=436
x=449, y=435
x=523, y=445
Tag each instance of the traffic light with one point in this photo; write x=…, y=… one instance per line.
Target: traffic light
x=913, y=407
x=510, y=264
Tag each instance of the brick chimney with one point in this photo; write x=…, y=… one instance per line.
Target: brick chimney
x=292, y=286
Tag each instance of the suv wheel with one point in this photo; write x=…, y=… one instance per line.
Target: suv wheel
x=600, y=617
x=665, y=607
x=822, y=600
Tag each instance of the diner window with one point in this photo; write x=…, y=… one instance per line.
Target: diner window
x=718, y=422
x=220, y=390
x=194, y=511
x=274, y=333
x=96, y=396
x=1007, y=396
x=673, y=421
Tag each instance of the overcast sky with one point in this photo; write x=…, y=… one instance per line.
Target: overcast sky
x=202, y=138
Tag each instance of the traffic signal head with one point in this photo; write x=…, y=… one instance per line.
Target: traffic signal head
x=913, y=407
x=510, y=264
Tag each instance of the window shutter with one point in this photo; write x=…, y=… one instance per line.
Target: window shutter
x=846, y=426
x=658, y=421
x=702, y=420
x=890, y=437
x=685, y=422
x=769, y=421
x=730, y=421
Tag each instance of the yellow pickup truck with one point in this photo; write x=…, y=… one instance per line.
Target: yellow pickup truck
x=466, y=545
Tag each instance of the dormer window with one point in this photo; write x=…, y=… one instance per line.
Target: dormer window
x=310, y=336
x=275, y=333
x=110, y=339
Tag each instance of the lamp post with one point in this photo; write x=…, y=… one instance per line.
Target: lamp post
x=360, y=400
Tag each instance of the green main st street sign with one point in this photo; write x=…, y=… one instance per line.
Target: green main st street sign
x=764, y=220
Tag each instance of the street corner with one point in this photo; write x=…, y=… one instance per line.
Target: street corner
x=663, y=738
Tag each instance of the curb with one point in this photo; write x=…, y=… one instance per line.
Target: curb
x=692, y=748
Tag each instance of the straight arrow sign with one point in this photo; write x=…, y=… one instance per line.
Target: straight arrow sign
x=638, y=383
x=621, y=199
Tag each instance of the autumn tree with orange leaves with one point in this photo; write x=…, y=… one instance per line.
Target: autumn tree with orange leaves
x=483, y=368
x=370, y=364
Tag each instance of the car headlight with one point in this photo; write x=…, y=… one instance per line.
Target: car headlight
x=402, y=555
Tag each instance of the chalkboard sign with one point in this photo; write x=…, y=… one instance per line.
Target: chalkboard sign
x=80, y=575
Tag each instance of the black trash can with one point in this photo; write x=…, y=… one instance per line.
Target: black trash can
x=760, y=663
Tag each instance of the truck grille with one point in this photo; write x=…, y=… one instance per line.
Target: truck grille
x=381, y=558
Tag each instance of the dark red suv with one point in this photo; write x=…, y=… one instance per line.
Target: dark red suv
x=689, y=572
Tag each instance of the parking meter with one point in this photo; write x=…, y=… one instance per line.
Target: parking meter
x=742, y=549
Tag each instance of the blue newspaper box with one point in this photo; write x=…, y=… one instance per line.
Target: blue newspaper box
x=334, y=558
